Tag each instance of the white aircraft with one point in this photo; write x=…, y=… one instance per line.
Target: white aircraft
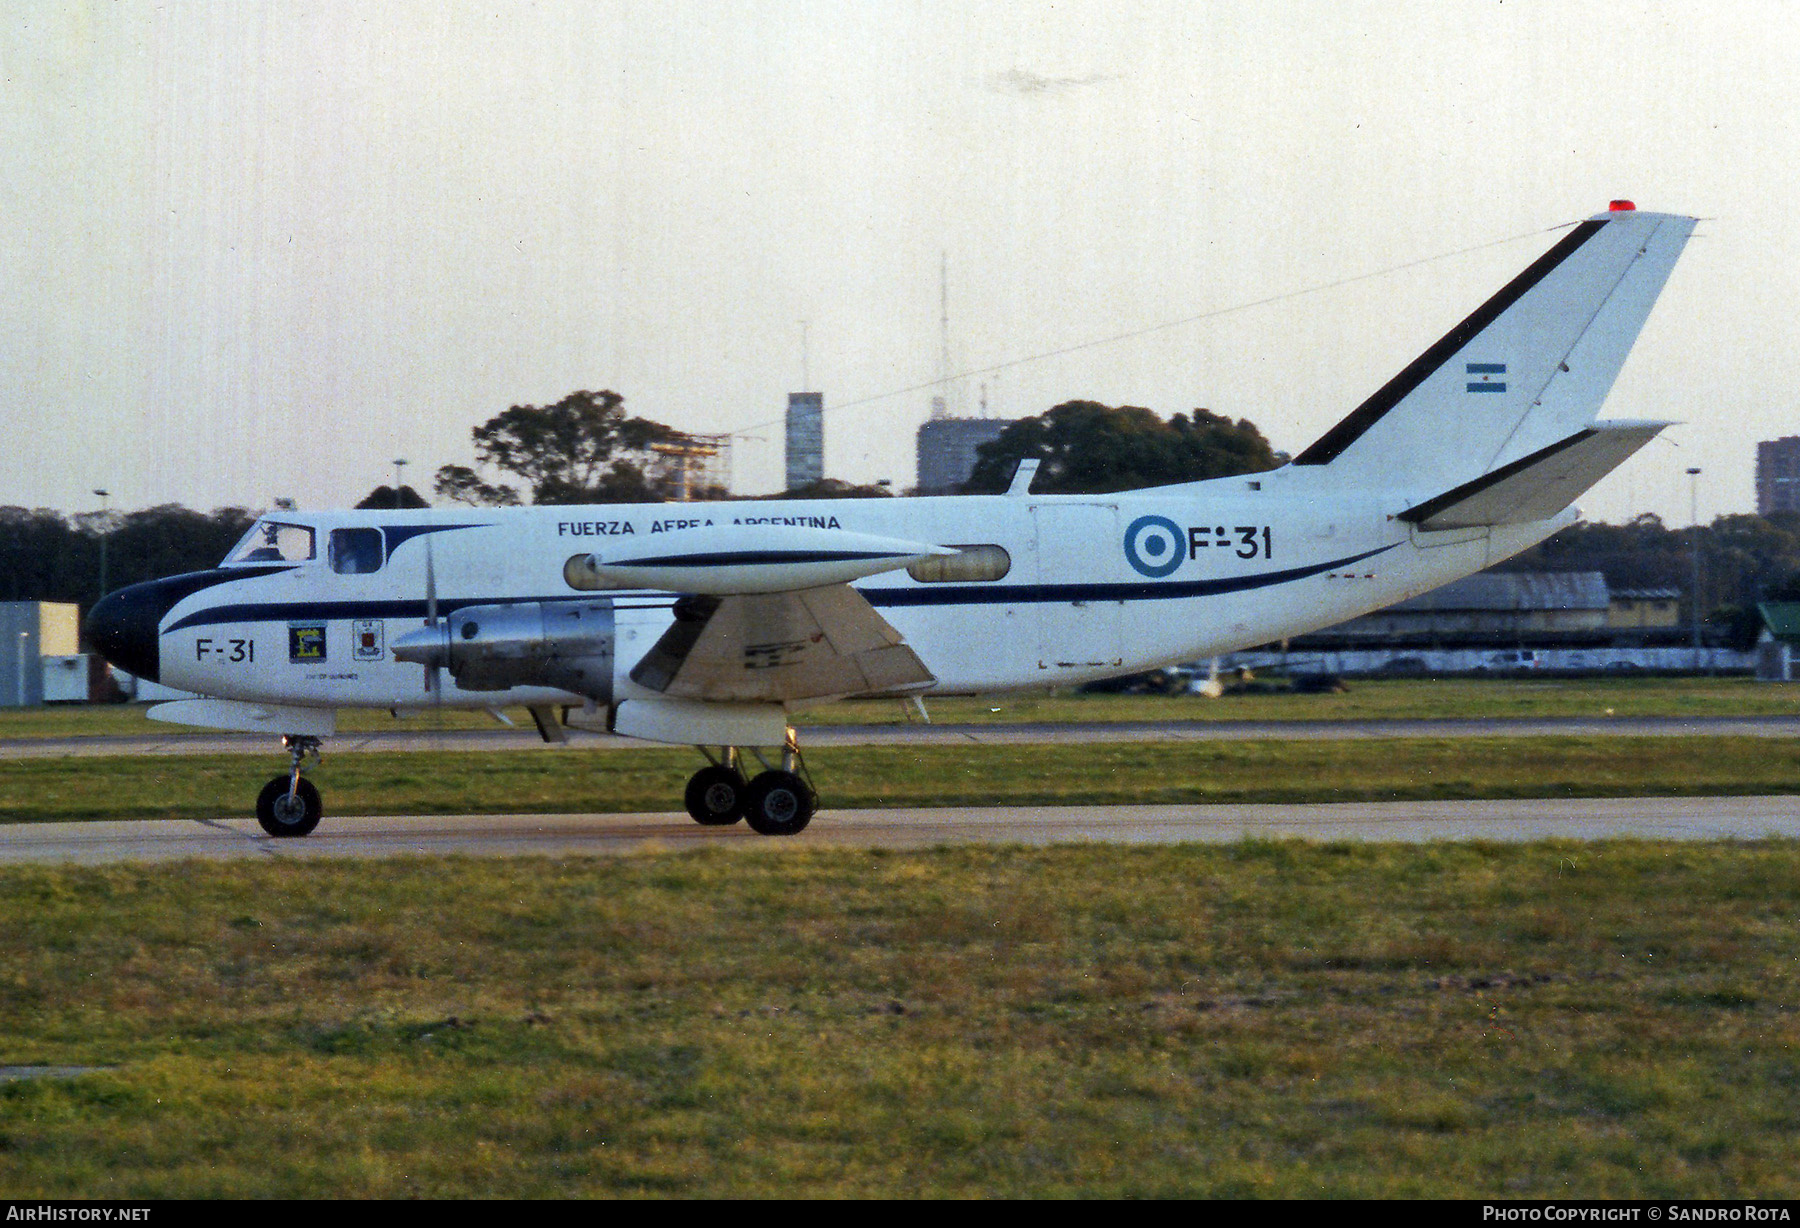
x=710, y=624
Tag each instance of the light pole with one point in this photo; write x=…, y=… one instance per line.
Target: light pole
x=400, y=463
x=1694, y=543
x=105, y=532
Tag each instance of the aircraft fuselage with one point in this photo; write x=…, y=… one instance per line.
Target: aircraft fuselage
x=1093, y=586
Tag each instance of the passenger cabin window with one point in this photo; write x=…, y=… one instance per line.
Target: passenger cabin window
x=355, y=552
x=973, y=564
x=271, y=541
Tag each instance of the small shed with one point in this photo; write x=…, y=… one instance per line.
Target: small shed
x=1645, y=608
x=1778, y=647
x=29, y=632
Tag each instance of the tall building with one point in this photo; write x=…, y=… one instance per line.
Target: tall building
x=947, y=450
x=1778, y=475
x=805, y=438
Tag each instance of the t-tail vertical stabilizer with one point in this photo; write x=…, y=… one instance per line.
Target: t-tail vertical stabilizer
x=1526, y=371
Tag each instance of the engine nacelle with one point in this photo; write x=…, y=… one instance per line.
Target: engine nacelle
x=563, y=644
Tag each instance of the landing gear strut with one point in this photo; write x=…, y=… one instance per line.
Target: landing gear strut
x=289, y=805
x=776, y=802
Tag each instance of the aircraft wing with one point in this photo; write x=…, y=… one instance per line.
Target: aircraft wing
x=1538, y=486
x=811, y=643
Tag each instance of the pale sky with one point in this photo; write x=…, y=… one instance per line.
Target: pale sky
x=251, y=250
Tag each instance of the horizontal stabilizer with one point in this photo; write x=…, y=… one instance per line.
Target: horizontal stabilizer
x=1538, y=486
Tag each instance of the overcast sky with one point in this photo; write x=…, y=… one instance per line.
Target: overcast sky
x=253, y=250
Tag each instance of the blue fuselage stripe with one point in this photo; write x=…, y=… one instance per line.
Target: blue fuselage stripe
x=880, y=598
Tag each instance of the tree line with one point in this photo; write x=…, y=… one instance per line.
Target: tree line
x=584, y=448
x=46, y=556
x=1744, y=559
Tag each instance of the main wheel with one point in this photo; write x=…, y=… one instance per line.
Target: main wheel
x=715, y=796
x=281, y=815
x=778, y=803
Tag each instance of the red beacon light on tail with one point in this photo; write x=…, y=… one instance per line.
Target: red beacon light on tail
x=1620, y=206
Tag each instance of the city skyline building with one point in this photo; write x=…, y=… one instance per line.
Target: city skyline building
x=1778, y=475
x=805, y=439
x=947, y=450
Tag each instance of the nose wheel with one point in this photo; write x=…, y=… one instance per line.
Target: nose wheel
x=286, y=808
x=289, y=805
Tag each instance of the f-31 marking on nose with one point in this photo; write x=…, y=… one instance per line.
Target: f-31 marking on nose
x=1153, y=544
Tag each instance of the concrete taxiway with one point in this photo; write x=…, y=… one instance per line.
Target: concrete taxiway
x=1678, y=818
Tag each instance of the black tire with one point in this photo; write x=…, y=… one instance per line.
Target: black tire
x=778, y=804
x=715, y=796
x=281, y=816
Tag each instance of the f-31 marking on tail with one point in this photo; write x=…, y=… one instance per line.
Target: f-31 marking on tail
x=712, y=633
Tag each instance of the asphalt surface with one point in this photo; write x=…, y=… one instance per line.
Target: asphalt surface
x=1682, y=818
x=510, y=835
x=944, y=735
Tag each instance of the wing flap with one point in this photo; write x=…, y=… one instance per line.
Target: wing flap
x=1538, y=486
x=811, y=644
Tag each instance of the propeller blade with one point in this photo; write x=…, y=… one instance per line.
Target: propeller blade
x=434, y=682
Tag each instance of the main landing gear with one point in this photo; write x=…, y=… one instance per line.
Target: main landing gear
x=775, y=802
x=289, y=805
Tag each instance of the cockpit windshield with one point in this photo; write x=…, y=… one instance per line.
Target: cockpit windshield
x=272, y=541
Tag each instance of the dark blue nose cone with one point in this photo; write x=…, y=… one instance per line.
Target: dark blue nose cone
x=123, y=626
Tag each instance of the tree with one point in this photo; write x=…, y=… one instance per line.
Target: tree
x=387, y=497
x=582, y=449
x=1089, y=448
x=832, y=488
x=461, y=484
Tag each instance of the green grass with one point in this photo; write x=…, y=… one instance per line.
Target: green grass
x=1366, y=700
x=570, y=780
x=1552, y=1020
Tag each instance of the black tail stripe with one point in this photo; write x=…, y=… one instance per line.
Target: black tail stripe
x=1329, y=446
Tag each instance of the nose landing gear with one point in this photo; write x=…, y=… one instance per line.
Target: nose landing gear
x=289, y=805
x=776, y=802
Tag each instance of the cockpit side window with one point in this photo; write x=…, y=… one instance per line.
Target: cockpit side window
x=355, y=552
x=271, y=541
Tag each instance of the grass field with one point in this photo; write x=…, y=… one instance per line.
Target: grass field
x=563, y=780
x=1262, y=1019
x=1268, y=1019
x=1366, y=700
